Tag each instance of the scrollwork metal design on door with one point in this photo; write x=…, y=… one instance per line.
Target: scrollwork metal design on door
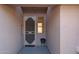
x=30, y=30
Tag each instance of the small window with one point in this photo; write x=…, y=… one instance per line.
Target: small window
x=40, y=28
x=40, y=24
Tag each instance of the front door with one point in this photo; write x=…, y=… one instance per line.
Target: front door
x=29, y=30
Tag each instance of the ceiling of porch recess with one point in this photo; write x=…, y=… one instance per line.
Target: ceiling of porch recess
x=34, y=8
x=42, y=10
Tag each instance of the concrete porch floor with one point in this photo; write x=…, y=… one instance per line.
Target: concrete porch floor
x=34, y=50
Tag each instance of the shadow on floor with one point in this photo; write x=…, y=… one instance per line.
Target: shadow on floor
x=34, y=50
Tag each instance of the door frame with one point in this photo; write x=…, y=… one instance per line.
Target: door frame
x=25, y=18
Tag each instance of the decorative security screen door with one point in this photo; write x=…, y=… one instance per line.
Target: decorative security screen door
x=30, y=31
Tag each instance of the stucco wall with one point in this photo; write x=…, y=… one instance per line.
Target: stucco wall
x=10, y=30
x=69, y=28
x=53, y=29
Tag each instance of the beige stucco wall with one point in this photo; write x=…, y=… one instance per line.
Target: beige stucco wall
x=69, y=28
x=53, y=29
x=62, y=29
x=10, y=30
